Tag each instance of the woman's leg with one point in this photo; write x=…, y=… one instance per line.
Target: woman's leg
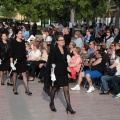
x=9, y=79
x=52, y=95
x=25, y=81
x=2, y=77
x=14, y=81
x=67, y=98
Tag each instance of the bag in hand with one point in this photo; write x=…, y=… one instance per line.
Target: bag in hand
x=110, y=71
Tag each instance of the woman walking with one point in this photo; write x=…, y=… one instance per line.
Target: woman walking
x=59, y=53
x=18, y=52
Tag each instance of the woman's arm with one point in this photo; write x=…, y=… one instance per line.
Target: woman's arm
x=113, y=65
x=96, y=62
x=78, y=61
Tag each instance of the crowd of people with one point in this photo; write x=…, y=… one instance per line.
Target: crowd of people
x=89, y=56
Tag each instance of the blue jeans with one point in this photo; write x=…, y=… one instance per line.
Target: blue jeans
x=105, y=80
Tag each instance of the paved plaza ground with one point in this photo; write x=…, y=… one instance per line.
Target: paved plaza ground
x=90, y=106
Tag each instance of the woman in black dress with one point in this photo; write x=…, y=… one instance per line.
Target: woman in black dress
x=59, y=53
x=4, y=56
x=17, y=51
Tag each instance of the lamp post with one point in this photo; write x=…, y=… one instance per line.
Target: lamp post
x=66, y=11
x=94, y=5
x=117, y=13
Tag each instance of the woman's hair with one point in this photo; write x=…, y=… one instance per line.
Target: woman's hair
x=59, y=37
x=78, y=33
x=17, y=31
x=86, y=47
x=89, y=30
x=50, y=31
x=57, y=28
x=117, y=44
x=100, y=52
x=117, y=52
x=36, y=44
x=109, y=30
x=26, y=27
x=77, y=49
x=73, y=43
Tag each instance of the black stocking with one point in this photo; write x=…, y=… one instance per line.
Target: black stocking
x=67, y=96
x=53, y=91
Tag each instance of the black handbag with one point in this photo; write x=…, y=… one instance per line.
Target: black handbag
x=110, y=71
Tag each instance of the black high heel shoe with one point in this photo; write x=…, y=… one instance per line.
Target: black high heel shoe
x=52, y=107
x=2, y=83
x=15, y=92
x=28, y=93
x=70, y=110
x=9, y=84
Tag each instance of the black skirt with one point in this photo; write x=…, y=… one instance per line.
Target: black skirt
x=61, y=81
x=21, y=66
x=5, y=66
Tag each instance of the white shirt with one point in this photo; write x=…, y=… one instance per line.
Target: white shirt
x=35, y=54
x=79, y=42
x=48, y=39
x=118, y=66
x=70, y=25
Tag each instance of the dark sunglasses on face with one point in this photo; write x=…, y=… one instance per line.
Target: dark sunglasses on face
x=112, y=45
x=61, y=40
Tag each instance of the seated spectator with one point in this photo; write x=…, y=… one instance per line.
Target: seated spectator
x=117, y=46
x=48, y=38
x=88, y=38
x=34, y=57
x=91, y=49
x=96, y=69
x=111, y=52
x=41, y=64
x=108, y=39
x=68, y=56
x=107, y=78
x=116, y=85
x=78, y=41
x=71, y=46
x=67, y=36
x=43, y=34
x=75, y=63
x=84, y=52
x=11, y=34
x=116, y=35
x=28, y=49
x=25, y=32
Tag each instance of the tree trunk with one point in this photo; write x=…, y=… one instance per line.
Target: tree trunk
x=72, y=15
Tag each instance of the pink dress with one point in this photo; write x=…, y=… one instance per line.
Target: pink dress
x=75, y=69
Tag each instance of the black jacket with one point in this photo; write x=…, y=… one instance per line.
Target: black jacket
x=60, y=60
x=117, y=38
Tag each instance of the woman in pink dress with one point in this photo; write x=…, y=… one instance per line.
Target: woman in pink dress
x=75, y=63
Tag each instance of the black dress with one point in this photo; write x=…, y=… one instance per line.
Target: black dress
x=4, y=56
x=60, y=60
x=17, y=51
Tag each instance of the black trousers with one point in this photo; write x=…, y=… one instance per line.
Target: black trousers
x=33, y=66
x=116, y=83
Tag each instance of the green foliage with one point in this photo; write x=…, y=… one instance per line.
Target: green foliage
x=35, y=9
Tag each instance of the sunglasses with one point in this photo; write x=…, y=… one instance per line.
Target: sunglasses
x=61, y=40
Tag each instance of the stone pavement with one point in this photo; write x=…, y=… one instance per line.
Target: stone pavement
x=88, y=106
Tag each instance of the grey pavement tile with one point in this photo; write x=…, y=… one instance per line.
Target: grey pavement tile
x=90, y=106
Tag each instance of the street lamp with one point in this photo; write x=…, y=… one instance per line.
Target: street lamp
x=94, y=5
